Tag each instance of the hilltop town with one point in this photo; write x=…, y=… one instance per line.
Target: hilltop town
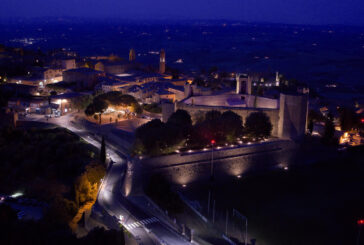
x=154, y=150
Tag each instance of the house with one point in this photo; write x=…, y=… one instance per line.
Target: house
x=85, y=78
x=108, y=85
x=19, y=89
x=62, y=103
x=29, y=105
x=39, y=82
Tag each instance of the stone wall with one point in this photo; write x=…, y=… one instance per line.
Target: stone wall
x=187, y=168
x=197, y=112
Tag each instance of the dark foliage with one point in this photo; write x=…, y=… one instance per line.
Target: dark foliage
x=44, y=163
x=153, y=108
x=257, y=124
x=155, y=137
x=181, y=121
x=329, y=131
x=19, y=232
x=103, y=150
x=97, y=106
x=349, y=119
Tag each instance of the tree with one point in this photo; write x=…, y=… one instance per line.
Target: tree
x=97, y=106
x=310, y=126
x=329, y=131
x=151, y=137
x=206, y=130
x=199, y=81
x=7, y=214
x=232, y=125
x=258, y=124
x=100, y=236
x=81, y=103
x=315, y=116
x=181, y=119
x=137, y=108
x=56, y=87
x=212, y=116
x=348, y=119
x=103, y=150
x=153, y=108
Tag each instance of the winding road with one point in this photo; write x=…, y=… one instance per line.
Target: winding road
x=145, y=228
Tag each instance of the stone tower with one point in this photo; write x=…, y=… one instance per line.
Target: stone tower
x=162, y=62
x=131, y=55
x=243, y=84
x=277, y=78
x=293, y=110
x=238, y=83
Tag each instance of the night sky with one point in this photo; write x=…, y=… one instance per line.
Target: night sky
x=282, y=11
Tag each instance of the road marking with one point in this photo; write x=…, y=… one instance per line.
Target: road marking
x=141, y=223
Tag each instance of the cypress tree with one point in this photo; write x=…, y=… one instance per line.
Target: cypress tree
x=103, y=150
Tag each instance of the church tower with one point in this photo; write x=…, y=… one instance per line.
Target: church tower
x=131, y=55
x=162, y=62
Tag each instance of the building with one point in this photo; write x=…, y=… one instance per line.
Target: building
x=288, y=113
x=85, y=78
x=53, y=75
x=29, y=105
x=38, y=82
x=63, y=63
x=112, y=67
x=109, y=85
x=62, y=103
x=19, y=89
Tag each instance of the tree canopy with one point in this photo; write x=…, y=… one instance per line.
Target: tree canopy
x=49, y=167
x=80, y=103
x=349, y=119
x=329, y=131
x=258, y=124
x=101, y=102
x=156, y=137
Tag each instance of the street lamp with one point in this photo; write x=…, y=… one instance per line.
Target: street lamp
x=360, y=226
x=213, y=142
x=244, y=219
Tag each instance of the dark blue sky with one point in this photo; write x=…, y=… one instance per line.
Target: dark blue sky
x=283, y=11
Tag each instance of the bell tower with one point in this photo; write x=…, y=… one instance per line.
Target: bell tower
x=162, y=62
x=131, y=55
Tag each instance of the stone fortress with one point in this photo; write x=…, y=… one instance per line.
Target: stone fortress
x=288, y=113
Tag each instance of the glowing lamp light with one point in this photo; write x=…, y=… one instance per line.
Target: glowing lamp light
x=213, y=142
x=361, y=222
x=362, y=120
x=285, y=168
x=184, y=186
x=17, y=194
x=239, y=176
